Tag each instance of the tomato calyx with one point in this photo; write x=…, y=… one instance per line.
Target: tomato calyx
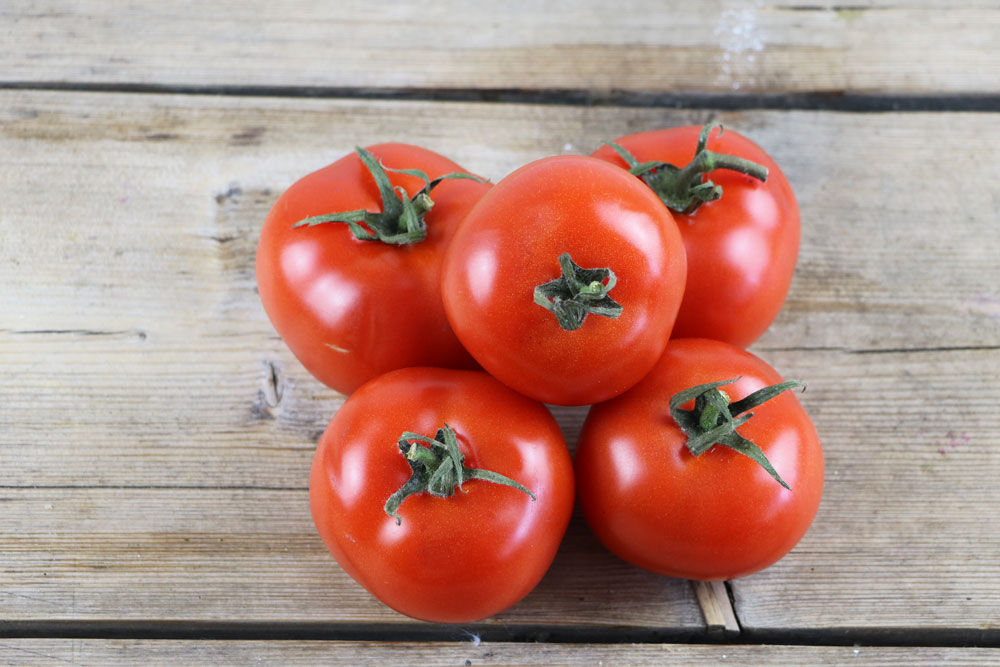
x=714, y=419
x=438, y=469
x=685, y=189
x=578, y=293
x=401, y=220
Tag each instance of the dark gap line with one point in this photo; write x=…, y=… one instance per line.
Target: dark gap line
x=809, y=101
x=803, y=348
x=890, y=350
x=903, y=350
x=829, y=8
x=139, y=333
x=499, y=632
x=151, y=487
x=908, y=637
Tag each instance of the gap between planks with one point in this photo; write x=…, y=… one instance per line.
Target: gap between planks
x=802, y=101
x=518, y=633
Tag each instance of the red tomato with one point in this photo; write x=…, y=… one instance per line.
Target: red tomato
x=501, y=280
x=350, y=309
x=716, y=516
x=741, y=249
x=448, y=559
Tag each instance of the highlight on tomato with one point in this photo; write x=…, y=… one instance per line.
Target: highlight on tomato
x=443, y=492
x=349, y=263
x=708, y=469
x=739, y=219
x=564, y=280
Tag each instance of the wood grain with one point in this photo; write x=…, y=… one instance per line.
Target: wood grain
x=716, y=607
x=872, y=46
x=253, y=555
x=905, y=536
x=155, y=435
x=436, y=654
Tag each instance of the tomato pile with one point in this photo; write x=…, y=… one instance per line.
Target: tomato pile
x=451, y=310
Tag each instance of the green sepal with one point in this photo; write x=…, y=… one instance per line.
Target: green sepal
x=578, y=292
x=401, y=220
x=438, y=469
x=682, y=189
x=714, y=419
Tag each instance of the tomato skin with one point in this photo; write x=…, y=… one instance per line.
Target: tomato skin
x=510, y=243
x=741, y=249
x=456, y=559
x=713, y=517
x=349, y=309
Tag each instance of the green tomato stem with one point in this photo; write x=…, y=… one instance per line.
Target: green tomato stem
x=683, y=189
x=714, y=419
x=578, y=292
x=401, y=220
x=438, y=469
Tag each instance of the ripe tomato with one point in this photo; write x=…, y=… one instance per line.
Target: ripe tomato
x=596, y=331
x=352, y=309
x=741, y=249
x=718, y=515
x=448, y=559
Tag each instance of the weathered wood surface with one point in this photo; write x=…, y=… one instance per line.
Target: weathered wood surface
x=155, y=435
x=904, y=536
x=870, y=46
x=437, y=654
x=716, y=607
x=252, y=555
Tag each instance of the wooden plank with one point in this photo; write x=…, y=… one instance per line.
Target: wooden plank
x=149, y=410
x=713, y=598
x=253, y=555
x=907, y=534
x=166, y=216
x=773, y=46
x=440, y=654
